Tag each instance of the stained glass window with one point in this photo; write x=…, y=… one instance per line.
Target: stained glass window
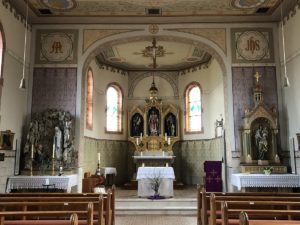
x=89, y=99
x=1, y=51
x=193, y=108
x=113, y=109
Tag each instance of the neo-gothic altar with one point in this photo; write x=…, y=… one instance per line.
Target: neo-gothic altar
x=153, y=127
x=259, y=134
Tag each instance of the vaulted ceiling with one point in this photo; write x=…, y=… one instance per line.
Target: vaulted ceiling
x=129, y=55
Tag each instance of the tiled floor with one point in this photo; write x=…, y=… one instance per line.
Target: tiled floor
x=155, y=220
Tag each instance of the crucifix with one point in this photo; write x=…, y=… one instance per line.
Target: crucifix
x=257, y=76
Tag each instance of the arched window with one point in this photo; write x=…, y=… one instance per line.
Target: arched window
x=1, y=51
x=89, y=99
x=114, y=101
x=193, y=108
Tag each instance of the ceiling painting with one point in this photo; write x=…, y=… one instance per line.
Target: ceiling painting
x=159, y=8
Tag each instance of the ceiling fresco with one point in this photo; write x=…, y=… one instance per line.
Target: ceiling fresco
x=177, y=56
x=152, y=7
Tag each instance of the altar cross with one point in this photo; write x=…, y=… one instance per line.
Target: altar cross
x=257, y=76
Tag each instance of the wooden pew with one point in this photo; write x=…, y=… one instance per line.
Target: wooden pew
x=108, y=200
x=102, y=204
x=203, y=203
x=246, y=202
x=63, y=195
x=47, y=217
x=72, y=221
x=269, y=215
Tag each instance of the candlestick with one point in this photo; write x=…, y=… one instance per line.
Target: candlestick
x=166, y=137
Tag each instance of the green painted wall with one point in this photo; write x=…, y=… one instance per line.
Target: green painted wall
x=190, y=156
x=188, y=166
x=113, y=154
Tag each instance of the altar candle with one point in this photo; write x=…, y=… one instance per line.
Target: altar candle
x=141, y=153
x=32, y=151
x=53, y=151
x=99, y=157
x=47, y=181
x=137, y=141
x=166, y=137
x=141, y=136
x=169, y=140
x=163, y=153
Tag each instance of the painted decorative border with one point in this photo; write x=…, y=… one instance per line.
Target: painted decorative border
x=56, y=47
x=252, y=45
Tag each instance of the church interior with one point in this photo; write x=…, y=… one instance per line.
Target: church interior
x=167, y=100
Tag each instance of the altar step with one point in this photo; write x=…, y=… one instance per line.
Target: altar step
x=133, y=184
x=170, y=206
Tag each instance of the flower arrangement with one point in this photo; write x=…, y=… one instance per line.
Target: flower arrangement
x=268, y=170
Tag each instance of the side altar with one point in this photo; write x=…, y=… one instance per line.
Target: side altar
x=259, y=134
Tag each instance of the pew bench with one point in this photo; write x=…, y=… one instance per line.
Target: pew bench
x=244, y=220
x=259, y=215
x=111, y=220
x=47, y=217
x=203, y=211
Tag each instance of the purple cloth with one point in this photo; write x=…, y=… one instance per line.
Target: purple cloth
x=213, y=178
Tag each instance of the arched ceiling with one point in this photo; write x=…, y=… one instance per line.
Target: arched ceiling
x=176, y=56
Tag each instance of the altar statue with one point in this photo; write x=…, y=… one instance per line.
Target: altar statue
x=153, y=123
x=261, y=138
x=58, y=143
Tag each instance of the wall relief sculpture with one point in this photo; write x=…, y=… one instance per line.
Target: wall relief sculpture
x=50, y=141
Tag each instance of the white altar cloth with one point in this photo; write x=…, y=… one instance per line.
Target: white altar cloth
x=145, y=176
x=31, y=182
x=108, y=170
x=242, y=180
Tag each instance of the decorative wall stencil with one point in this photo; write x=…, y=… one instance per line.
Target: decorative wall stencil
x=56, y=46
x=113, y=154
x=190, y=158
x=252, y=45
x=242, y=90
x=59, y=4
x=218, y=36
x=54, y=88
x=91, y=36
x=247, y=4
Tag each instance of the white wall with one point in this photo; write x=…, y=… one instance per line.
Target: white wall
x=13, y=107
x=102, y=78
x=291, y=95
x=211, y=81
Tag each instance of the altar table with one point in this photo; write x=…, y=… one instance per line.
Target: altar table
x=33, y=182
x=109, y=173
x=145, y=176
x=243, y=180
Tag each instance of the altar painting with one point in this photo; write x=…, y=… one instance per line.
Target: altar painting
x=153, y=119
x=137, y=125
x=170, y=124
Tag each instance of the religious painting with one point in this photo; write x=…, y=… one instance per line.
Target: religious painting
x=252, y=45
x=153, y=119
x=137, y=125
x=56, y=46
x=170, y=124
x=6, y=140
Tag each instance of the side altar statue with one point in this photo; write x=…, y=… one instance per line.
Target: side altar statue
x=259, y=135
